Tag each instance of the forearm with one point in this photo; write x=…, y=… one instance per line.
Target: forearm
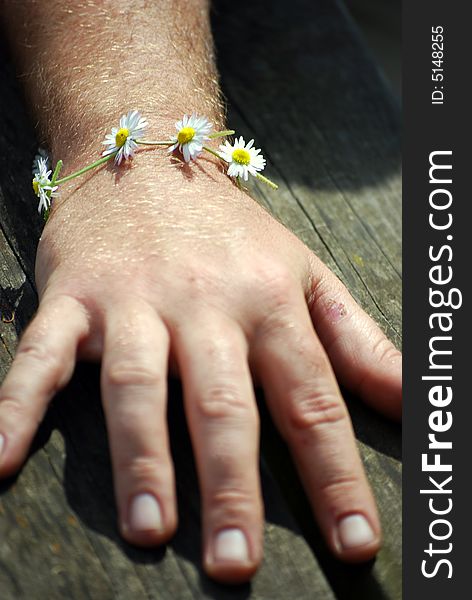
x=86, y=63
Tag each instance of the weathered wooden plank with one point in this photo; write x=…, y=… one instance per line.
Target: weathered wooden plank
x=310, y=95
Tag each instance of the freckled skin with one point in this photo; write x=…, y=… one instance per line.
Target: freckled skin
x=158, y=265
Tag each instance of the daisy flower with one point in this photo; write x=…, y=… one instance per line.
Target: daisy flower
x=42, y=184
x=243, y=159
x=42, y=153
x=122, y=139
x=192, y=134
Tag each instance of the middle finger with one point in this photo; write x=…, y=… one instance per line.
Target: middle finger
x=223, y=422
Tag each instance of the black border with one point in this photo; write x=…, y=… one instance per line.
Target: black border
x=429, y=128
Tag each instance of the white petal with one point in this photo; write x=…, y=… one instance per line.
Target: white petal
x=258, y=162
x=233, y=170
x=141, y=127
x=119, y=156
x=226, y=147
x=133, y=117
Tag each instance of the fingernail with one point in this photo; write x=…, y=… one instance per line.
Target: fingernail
x=145, y=514
x=355, y=531
x=231, y=545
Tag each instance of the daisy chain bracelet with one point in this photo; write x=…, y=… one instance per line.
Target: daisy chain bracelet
x=193, y=133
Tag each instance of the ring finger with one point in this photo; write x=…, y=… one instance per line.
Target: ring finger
x=307, y=406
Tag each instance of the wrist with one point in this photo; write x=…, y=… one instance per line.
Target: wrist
x=154, y=180
x=192, y=140
x=83, y=143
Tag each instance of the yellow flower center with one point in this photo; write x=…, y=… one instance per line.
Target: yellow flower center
x=241, y=156
x=186, y=135
x=121, y=136
x=36, y=187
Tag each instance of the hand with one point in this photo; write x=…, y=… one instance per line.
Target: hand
x=165, y=265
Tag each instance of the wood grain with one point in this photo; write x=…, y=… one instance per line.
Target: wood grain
x=298, y=79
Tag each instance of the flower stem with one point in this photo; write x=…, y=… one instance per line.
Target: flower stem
x=97, y=163
x=152, y=143
x=211, y=151
x=268, y=182
x=57, y=170
x=219, y=134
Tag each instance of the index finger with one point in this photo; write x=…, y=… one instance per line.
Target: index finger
x=43, y=364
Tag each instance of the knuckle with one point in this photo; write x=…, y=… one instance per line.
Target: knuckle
x=277, y=290
x=341, y=487
x=33, y=352
x=130, y=373
x=385, y=351
x=311, y=409
x=232, y=502
x=326, y=284
x=276, y=284
x=140, y=468
x=222, y=402
x=14, y=407
x=23, y=416
x=317, y=291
